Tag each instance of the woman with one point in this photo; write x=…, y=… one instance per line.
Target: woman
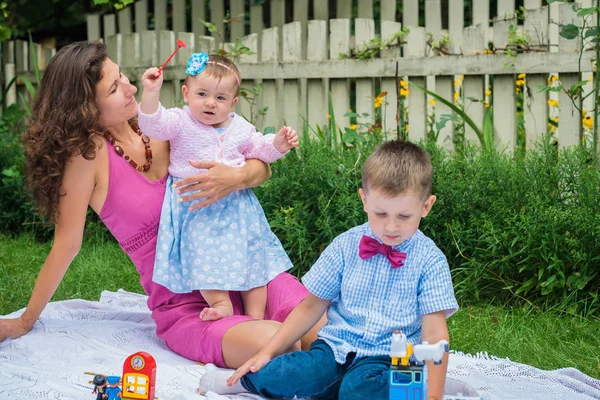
x=82, y=150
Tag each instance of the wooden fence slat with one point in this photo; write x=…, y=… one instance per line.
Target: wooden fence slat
x=535, y=108
x=474, y=40
x=433, y=16
x=340, y=89
x=179, y=16
x=536, y=26
x=198, y=13
x=217, y=14
x=365, y=88
x=456, y=23
x=343, y=9
x=294, y=105
x=474, y=87
x=124, y=19
x=444, y=86
x=110, y=25
x=21, y=55
x=93, y=27
x=317, y=90
x=505, y=123
x=531, y=4
x=131, y=47
x=243, y=106
x=389, y=106
x=388, y=10
x=141, y=15
x=320, y=10
x=365, y=9
x=149, y=48
x=115, y=48
x=160, y=14
x=183, y=55
x=506, y=8
x=277, y=13
x=569, y=118
x=417, y=100
x=568, y=16
x=9, y=74
x=270, y=53
x=481, y=13
x=238, y=12
x=410, y=13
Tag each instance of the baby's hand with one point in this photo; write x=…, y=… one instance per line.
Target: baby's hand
x=285, y=139
x=152, y=80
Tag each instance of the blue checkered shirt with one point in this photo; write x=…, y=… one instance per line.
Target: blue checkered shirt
x=369, y=299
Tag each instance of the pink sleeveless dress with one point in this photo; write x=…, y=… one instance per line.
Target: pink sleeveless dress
x=132, y=213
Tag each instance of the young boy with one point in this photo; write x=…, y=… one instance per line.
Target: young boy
x=372, y=279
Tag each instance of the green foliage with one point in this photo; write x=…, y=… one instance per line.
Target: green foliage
x=374, y=46
x=520, y=228
x=116, y=4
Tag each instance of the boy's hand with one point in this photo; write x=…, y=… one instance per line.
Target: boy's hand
x=285, y=139
x=152, y=80
x=13, y=328
x=252, y=365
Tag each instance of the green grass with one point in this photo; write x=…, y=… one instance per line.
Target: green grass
x=545, y=340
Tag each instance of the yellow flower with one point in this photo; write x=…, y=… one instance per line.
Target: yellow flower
x=377, y=102
x=551, y=128
x=487, y=51
x=403, y=83
x=555, y=119
x=552, y=79
x=328, y=116
x=518, y=90
x=488, y=92
x=462, y=77
x=349, y=110
x=520, y=82
x=591, y=79
x=584, y=112
x=588, y=122
x=486, y=104
x=403, y=92
x=521, y=76
x=456, y=95
x=553, y=103
x=352, y=127
x=432, y=102
x=457, y=83
x=407, y=127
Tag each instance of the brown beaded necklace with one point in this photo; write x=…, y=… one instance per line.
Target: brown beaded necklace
x=119, y=150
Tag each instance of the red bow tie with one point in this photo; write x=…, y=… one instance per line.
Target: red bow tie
x=369, y=247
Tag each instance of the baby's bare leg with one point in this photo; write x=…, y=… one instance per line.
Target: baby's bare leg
x=255, y=302
x=220, y=305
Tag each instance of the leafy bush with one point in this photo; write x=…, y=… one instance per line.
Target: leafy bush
x=512, y=229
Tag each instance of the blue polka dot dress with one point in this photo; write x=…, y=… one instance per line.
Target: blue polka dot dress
x=225, y=246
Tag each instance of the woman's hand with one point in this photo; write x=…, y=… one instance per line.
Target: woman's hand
x=13, y=328
x=218, y=182
x=252, y=365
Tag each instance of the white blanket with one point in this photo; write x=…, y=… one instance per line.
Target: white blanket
x=76, y=336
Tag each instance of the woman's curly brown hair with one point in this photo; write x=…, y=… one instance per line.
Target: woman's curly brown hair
x=64, y=121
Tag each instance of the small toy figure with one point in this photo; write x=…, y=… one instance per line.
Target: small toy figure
x=99, y=386
x=139, y=376
x=113, y=391
x=408, y=380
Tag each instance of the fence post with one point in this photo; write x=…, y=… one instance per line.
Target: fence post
x=141, y=15
x=9, y=74
x=93, y=27
x=179, y=16
x=365, y=31
x=318, y=89
x=294, y=95
x=270, y=53
x=124, y=17
x=388, y=111
x=340, y=88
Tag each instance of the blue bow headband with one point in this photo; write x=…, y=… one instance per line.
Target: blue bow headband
x=197, y=63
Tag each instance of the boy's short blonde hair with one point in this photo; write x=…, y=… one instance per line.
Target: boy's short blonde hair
x=396, y=167
x=219, y=67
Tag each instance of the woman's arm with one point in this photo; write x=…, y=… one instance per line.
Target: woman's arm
x=220, y=180
x=77, y=187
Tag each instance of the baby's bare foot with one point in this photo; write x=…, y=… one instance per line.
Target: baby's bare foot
x=215, y=313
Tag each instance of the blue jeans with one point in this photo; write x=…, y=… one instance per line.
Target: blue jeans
x=315, y=373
